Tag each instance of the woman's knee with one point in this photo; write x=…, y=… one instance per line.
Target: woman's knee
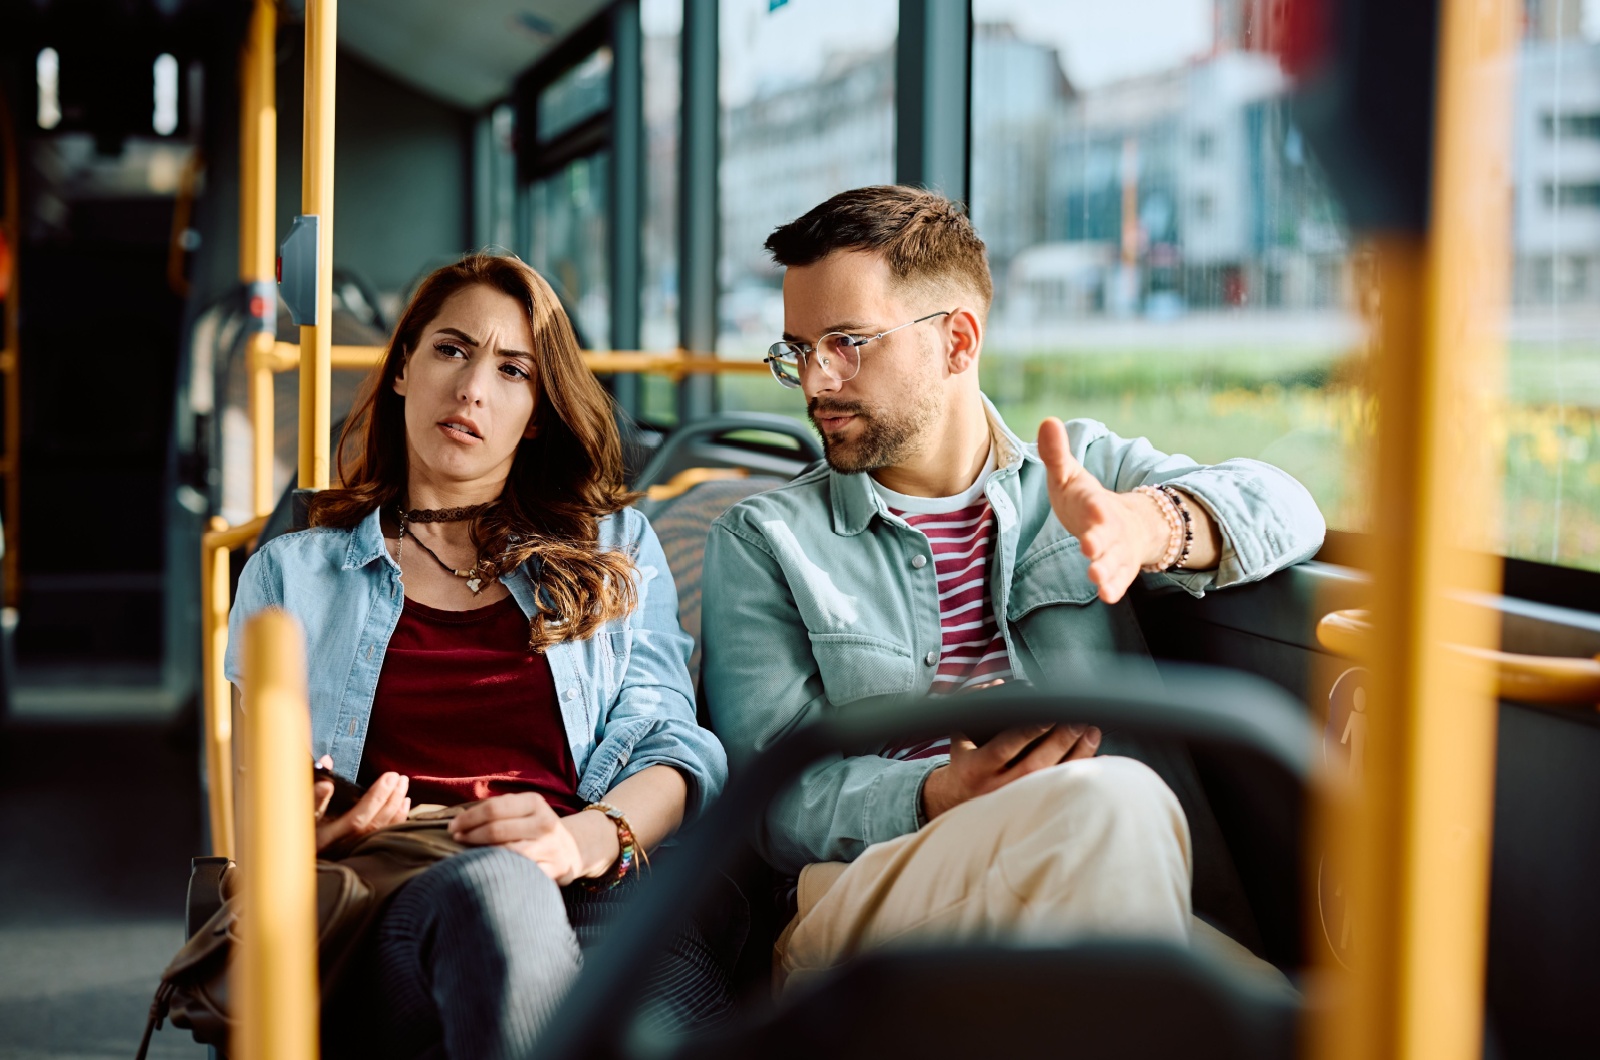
x=491, y=888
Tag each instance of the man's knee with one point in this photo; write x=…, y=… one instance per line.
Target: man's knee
x=1104, y=796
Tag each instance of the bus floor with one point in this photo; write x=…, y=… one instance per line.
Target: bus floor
x=98, y=822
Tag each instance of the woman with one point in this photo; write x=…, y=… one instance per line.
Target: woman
x=487, y=621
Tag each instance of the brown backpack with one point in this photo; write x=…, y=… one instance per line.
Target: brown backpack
x=351, y=894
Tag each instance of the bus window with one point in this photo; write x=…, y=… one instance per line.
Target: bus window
x=568, y=239
x=1166, y=256
x=662, y=24
x=808, y=110
x=1551, y=422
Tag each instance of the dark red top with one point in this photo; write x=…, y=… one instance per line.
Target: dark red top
x=466, y=711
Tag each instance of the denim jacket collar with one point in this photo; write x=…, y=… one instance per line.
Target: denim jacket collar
x=855, y=502
x=366, y=542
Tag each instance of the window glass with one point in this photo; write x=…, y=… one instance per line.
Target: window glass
x=567, y=213
x=1552, y=425
x=662, y=23
x=579, y=94
x=807, y=97
x=1167, y=257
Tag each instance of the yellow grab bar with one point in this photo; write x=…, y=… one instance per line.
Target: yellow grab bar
x=1550, y=679
x=689, y=478
x=285, y=356
x=215, y=547
x=276, y=960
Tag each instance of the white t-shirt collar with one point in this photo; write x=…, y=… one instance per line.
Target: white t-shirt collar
x=938, y=505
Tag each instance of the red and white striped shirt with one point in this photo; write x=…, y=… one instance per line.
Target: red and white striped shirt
x=961, y=534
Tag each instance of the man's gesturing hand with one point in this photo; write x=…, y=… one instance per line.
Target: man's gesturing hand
x=1119, y=532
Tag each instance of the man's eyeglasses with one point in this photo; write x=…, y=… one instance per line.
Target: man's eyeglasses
x=836, y=353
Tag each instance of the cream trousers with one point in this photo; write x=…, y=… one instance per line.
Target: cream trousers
x=1092, y=847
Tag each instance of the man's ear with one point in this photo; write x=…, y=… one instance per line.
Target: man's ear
x=966, y=339
x=400, y=377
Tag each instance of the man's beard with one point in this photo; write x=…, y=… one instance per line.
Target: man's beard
x=879, y=441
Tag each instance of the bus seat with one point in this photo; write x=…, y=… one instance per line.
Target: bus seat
x=682, y=523
x=1093, y=999
x=1190, y=1002
x=707, y=443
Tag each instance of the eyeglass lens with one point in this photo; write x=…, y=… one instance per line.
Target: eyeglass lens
x=835, y=353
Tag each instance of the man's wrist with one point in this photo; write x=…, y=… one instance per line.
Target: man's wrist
x=1155, y=530
x=933, y=798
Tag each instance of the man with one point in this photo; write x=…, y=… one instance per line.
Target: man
x=937, y=553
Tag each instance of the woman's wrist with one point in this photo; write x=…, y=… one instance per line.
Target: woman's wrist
x=598, y=843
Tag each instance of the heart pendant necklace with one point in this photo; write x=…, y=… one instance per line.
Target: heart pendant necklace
x=473, y=576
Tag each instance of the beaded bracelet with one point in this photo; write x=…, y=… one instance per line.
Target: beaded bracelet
x=630, y=851
x=1175, y=551
x=1188, y=524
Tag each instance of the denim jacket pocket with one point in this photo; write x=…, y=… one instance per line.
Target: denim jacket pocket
x=1053, y=575
x=855, y=666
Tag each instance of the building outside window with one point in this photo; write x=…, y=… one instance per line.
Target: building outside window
x=807, y=95
x=1166, y=256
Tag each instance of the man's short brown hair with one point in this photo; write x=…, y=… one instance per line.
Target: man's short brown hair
x=926, y=239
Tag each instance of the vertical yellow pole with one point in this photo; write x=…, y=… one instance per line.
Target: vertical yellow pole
x=1414, y=854
x=11, y=357
x=218, y=700
x=276, y=959
x=258, y=148
x=316, y=340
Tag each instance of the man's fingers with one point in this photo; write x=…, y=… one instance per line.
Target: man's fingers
x=1007, y=745
x=1086, y=746
x=1056, y=453
x=1052, y=750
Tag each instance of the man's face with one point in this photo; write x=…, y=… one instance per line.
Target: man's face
x=882, y=416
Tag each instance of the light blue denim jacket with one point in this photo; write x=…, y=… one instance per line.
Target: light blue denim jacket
x=817, y=600
x=625, y=695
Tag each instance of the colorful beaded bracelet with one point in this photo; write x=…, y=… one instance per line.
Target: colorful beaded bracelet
x=1188, y=524
x=630, y=851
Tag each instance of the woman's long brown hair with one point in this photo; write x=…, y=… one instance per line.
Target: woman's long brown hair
x=562, y=480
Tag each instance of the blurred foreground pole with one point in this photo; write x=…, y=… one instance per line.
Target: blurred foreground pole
x=1413, y=853
x=275, y=963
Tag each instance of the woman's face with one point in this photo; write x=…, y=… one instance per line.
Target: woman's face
x=470, y=390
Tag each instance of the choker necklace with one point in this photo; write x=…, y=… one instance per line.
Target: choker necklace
x=444, y=515
x=473, y=575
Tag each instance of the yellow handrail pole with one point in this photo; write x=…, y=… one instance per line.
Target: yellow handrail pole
x=258, y=196
x=316, y=340
x=276, y=959
x=216, y=546
x=1414, y=855
x=11, y=357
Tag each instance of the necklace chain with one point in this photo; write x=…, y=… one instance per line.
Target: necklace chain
x=472, y=575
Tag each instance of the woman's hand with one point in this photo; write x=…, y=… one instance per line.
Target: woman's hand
x=384, y=804
x=566, y=848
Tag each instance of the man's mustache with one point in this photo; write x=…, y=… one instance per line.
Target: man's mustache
x=817, y=408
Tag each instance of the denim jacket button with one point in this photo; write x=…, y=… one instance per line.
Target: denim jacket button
x=931, y=658
x=570, y=693
x=919, y=562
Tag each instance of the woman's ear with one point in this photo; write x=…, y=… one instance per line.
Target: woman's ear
x=400, y=377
